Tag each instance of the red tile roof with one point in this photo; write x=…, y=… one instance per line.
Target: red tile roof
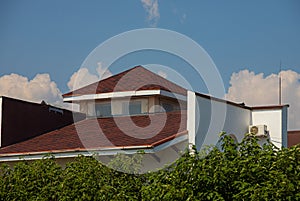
x=134, y=79
x=67, y=139
x=293, y=138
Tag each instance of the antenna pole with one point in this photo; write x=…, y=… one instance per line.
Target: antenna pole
x=279, y=84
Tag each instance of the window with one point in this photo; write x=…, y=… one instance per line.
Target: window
x=131, y=108
x=103, y=110
x=121, y=107
x=168, y=107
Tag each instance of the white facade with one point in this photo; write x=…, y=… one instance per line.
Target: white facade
x=208, y=116
x=276, y=121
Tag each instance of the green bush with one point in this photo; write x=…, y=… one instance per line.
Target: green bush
x=38, y=180
x=241, y=171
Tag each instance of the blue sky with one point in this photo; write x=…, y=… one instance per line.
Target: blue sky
x=54, y=37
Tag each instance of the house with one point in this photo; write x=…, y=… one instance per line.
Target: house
x=139, y=110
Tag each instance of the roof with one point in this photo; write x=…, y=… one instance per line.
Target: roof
x=241, y=105
x=293, y=137
x=138, y=79
x=42, y=103
x=269, y=107
x=22, y=120
x=67, y=138
x=134, y=79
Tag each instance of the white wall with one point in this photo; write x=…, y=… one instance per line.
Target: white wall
x=237, y=121
x=191, y=114
x=234, y=120
x=0, y=119
x=164, y=157
x=83, y=107
x=208, y=117
x=276, y=121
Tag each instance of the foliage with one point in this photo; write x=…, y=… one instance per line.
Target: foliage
x=241, y=171
x=38, y=180
x=127, y=163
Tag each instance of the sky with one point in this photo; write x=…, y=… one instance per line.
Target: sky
x=43, y=45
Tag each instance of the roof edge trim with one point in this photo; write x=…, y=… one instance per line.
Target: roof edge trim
x=123, y=94
x=269, y=107
x=58, y=154
x=241, y=105
x=222, y=100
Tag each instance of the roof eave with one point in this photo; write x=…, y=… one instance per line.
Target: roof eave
x=124, y=94
x=269, y=107
x=108, y=151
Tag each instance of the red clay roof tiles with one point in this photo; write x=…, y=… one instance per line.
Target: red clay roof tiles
x=90, y=137
x=293, y=138
x=134, y=79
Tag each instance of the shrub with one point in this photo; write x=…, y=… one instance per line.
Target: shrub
x=239, y=171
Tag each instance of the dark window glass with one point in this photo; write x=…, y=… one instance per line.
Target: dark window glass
x=168, y=107
x=134, y=107
x=103, y=110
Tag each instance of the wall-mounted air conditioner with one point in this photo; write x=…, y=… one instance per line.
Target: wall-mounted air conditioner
x=259, y=130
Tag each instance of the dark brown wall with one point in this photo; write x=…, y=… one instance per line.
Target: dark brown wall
x=293, y=138
x=22, y=120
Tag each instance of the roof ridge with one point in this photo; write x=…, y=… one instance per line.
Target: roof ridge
x=159, y=76
x=126, y=71
x=143, y=76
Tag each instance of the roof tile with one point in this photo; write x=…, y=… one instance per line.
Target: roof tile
x=134, y=79
x=90, y=137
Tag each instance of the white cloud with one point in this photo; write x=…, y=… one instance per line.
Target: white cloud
x=102, y=72
x=83, y=77
x=180, y=14
x=151, y=7
x=183, y=18
x=162, y=74
x=39, y=88
x=255, y=89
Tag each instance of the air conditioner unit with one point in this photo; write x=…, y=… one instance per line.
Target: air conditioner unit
x=258, y=130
